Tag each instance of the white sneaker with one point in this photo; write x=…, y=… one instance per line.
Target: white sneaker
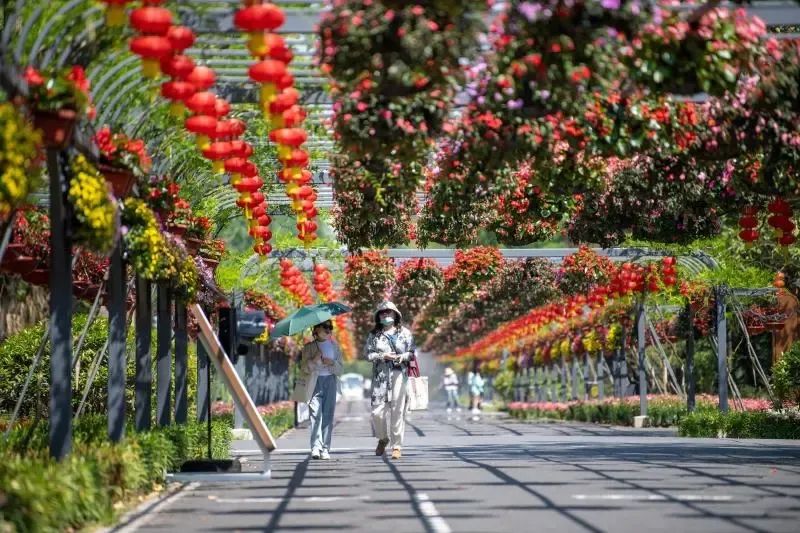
x=458, y=409
x=449, y=409
x=476, y=411
x=325, y=455
x=315, y=454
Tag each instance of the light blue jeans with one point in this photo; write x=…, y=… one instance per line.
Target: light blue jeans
x=322, y=407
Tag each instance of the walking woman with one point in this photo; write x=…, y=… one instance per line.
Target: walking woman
x=390, y=347
x=321, y=360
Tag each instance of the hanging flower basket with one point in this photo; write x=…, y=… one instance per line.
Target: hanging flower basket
x=120, y=179
x=179, y=230
x=56, y=127
x=755, y=329
x=211, y=264
x=17, y=263
x=775, y=325
x=193, y=245
x=37, y=276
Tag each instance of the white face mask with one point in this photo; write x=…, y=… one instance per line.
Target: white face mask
x=387, y=321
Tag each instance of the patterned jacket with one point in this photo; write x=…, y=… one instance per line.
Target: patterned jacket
x=375, y=348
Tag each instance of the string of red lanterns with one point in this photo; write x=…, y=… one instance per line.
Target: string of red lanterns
x=161, y=45
x=779, y=219
x=278, y=99
x=295, y=284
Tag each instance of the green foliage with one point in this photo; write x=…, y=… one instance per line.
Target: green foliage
x=503, y=384
x=786, y=376
x=741, y=425
x=663, y=412
x=44, y=495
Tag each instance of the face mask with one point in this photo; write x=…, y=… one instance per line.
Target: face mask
x=387, y=320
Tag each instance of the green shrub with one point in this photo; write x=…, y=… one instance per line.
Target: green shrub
x=786, y=376
x=39, y=494
x=741, y=425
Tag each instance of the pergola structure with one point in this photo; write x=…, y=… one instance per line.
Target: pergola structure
x=71, y=36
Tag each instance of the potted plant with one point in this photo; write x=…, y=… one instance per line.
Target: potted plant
x=212, y=251
x=198, y=231
x=178, y=221
x=57, y=100
x=122, y=160
x=161, y=193
x=94, y=209
x=19, y=159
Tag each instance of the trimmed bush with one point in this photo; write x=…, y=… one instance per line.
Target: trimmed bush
x=741, y=425
x=786, y=376
x=39, y=494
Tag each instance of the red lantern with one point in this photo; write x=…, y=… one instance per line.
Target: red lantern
x=748, y=235
x=787, y=239
x=235, y=166
x=177, y=92
x=255, y=20
x=240, y=148
x=204, y=126
x=780, y=206
x=177, y=66
x=288, y=138
x=269, y=74
x=202, y=103
x=293, y=117
x=217, y=152
x=152, y=49
x=277, y=48
x=202, y=78
x=151, y=20
x=180, y=37
x=748, y=221
x=297, y=159
x=221, y=107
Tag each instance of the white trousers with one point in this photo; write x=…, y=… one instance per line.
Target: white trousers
x=388, y=418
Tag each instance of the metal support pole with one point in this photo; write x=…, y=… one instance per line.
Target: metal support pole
x=181, y=364
x=144, y=362
x=587, y=385
x=689, y=377
x=574, y=378
x=203, y=383
x=601, y=393
x=60, y=311
x=117, y=325
x=564, y=385
x=163, y=356
x=537, y=385
x=722, y=349
x=527, y=384
x=640, y=334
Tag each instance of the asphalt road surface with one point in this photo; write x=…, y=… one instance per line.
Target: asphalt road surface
x=495, y=474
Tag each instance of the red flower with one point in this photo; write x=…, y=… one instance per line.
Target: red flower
x=78, y=76
x=104, y=142
x=33, y=77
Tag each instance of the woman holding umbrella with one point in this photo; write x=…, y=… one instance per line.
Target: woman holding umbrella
x=320, y=365
x=321, y=361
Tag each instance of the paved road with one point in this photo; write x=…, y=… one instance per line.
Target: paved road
x=495, y=474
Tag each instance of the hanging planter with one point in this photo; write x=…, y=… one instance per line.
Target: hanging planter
x=21, y=264
x=211, y=264
x=193, y=245
x=56, y=127
x=755, y=329
x=775, y=324
x=38, y=276
x=120, y=179
x=179, y=230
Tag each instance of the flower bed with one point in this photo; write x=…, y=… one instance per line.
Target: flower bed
x=278, y=416
x=663, y=410
x=93, y=483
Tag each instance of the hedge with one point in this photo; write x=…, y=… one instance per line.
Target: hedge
x=40, y=494
x=663, y=412
x=741, y=424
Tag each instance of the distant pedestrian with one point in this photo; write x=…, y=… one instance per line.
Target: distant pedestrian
x=450, y=384
x=476, y=384
x=390, y=347
x=321, y=361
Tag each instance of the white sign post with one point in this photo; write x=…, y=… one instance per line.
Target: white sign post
x=242, y=400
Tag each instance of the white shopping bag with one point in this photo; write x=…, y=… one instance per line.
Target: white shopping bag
x=417, y=393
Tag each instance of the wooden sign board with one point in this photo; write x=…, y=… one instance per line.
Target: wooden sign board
x=232, y=381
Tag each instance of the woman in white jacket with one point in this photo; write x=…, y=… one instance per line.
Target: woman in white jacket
x=321, y=361
x=390, y=347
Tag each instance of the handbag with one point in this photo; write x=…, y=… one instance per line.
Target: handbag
x=417, y=389
x=300, y=392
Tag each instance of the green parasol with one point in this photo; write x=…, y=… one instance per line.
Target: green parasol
x=308, y=317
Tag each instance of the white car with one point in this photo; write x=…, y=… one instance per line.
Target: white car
x=352, y=387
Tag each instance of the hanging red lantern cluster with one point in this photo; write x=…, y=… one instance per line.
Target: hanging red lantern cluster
x=295, y=284
x=668, y=273
x=781, y=221
x=323, y=283
x=279, y=103
x=217, y=137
